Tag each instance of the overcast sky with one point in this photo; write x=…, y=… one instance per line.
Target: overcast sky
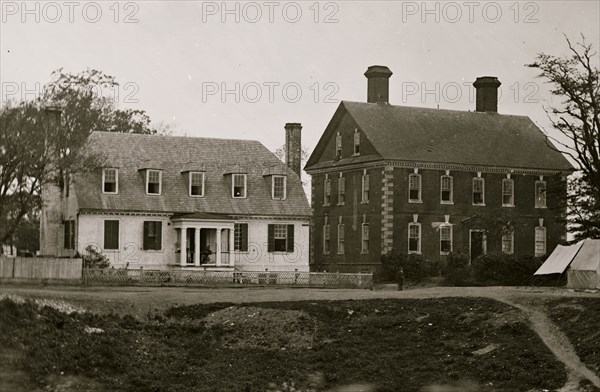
x=174, y=59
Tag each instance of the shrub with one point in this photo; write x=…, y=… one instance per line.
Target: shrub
x=94, y=259
x=415, y=267
x=457, y=269
x=505, y=270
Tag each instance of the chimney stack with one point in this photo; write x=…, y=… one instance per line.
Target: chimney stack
x=486, y=94
x=378, y=85
x=293, y=147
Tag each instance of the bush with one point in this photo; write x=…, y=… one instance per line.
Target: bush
x=457, y=269
x=94, y=259
x=504, y=270
x=415, y=267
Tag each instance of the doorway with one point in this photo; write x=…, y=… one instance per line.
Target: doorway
x=477, y=244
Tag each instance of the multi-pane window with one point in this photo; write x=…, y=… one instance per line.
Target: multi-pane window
x=327, y=191
x=341, y=190
x=69, y=234
x=365, y=238
x=540, y=241
x=281, y=238
x=365, y=187
x=196, y=184
x=152, y=235
x=508, y=241
x=238, y=186
x=338, y=145
x=110, y=180
x=326, y=238
x=111, y=234
x=540, y=194
x=278, y=191
x=414, y=188
x=508, y=192
x=153, y=182
x=478, y=191
x=240, y=237
x=445, y=239
x=356, y=142
x=447, y=190
x=414, y=238
x=341, y=235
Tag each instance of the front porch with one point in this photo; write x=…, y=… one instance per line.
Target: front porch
x=202, y=243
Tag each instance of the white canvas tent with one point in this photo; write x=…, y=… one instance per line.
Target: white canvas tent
x=581, y=260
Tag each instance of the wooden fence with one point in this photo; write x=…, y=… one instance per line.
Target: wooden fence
x=127, y=277
x=40, y=268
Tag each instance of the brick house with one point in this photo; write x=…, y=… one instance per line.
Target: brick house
x=389, y=178
x=163, y=202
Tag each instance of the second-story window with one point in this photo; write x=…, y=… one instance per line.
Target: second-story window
x=327, y=190
x=447, y=196
x=338, y=145
x=153, y=182
x=110, y=181
x=414, y=188
x=540, y=194
x=478, y=191
x=341, y=190
x=196, y=184
x=365, y=187
x=356, y=142
x=278, y=189
x=238, y=186
x=508, y=193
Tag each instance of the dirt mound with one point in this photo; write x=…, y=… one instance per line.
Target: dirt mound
x=265, y=328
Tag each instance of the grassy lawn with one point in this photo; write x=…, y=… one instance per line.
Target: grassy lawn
x=579, y=318
x=385, y=345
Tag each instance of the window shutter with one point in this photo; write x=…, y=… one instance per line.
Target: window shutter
x=290, y=238
x=271, y=239
x=66, y=235
x=244, y=239
x=158, y=230
x=146, y=238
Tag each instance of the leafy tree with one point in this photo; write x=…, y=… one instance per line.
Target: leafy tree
x=575, y=80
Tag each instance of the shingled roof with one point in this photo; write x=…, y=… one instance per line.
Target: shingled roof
x=416, y=134
x=176, y=156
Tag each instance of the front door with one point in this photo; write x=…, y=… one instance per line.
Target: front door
x=477, y=244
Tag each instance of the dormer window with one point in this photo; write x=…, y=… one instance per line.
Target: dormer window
x=153, y=182
x=238, y=186
x=338, y=145
x=110, y=181
x=356, y=142
x=196, y=184
x=278, y=188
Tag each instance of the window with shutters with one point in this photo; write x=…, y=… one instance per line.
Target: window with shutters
x=153, y=182
x=341, y=235
x=69, y=234
x=414, y=238
x=240, y=237
x=326, y=239
x=540, y=194
x=281, y=238
x=365, y=187
x=447, y=191
x=478, y=191
x=540, y=241
x=278, y=189
x=341, y=191
x=508, y=240
x=356, y=142
x=338, y=145
x=365, y=239
x=152, y=235
x=508, y=192
x=197, y=184
x=445, y=239
x=327, y=191
x=238, y=186
x=110, y=181
x=414, y=188
x=111, y=234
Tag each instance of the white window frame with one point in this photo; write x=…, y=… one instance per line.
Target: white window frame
x=341, y=190
x=541, y=229
x=341, y=239
x=159, y=181
x=233, y=177
x=538, y=200
x=418, y=251
x=365, y=187
x=326, y=237
x=116, y=180
x=191, y=175
x=284, y=188
x=338, y=145
x=442, y=227
x=508, y=236
x=482, y=180
x=451, y=180
x=512, y=193
x=356, y=149
x=364, y=239
x=327, y=190
x=420, y=188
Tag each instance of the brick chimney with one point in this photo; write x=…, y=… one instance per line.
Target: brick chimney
x=293, y=155
x=378, y=85
x=486, y=94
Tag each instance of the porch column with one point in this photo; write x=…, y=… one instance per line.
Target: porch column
x=218, y=247
x=183, y=247
x=231, y=246
x=197, y=247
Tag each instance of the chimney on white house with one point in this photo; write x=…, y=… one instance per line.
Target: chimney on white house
x=378, y=84
x=486, y=93
x=293, y=147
